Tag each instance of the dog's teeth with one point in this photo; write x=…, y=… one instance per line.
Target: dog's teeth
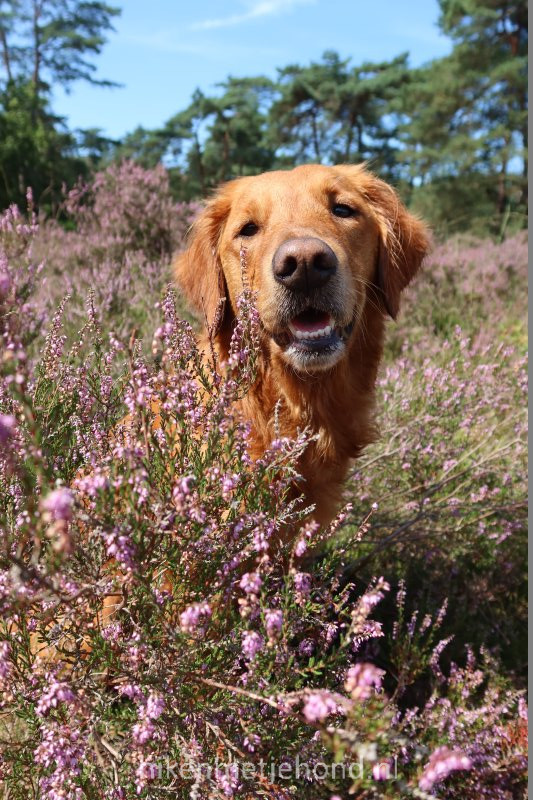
x=319, y=334
x=299, y=334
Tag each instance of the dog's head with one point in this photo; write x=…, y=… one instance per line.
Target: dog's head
x=321, y=242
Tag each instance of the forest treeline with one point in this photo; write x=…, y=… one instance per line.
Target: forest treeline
x=452, y=134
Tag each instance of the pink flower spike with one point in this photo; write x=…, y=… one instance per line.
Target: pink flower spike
x=441, y=762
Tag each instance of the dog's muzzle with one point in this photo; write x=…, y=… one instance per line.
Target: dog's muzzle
x=311, y=336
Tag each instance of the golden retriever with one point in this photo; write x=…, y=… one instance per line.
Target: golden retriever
x=328, y=252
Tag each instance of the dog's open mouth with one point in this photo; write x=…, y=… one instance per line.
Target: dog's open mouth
x=313, y=339
x=312, y=326
x=315, y=330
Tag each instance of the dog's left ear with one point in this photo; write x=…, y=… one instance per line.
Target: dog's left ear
x=403, y=239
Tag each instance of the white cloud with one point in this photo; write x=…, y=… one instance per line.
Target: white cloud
x=168, y=41
x=260, y=8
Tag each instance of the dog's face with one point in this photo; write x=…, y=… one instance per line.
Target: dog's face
x=316, y=244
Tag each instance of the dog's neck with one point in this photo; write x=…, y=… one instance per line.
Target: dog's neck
x=336, y=406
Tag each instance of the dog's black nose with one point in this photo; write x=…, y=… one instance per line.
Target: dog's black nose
x=304, y=264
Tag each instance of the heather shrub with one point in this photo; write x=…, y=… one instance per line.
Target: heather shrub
x=476, y=284
x=166, y=628
x=449, y=470
x=115, y=238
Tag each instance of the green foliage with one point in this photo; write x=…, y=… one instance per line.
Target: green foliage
x=330, y=112
x=451, y=134
x=145, y=147
x=465, y=130
x=35, y=149
x=224, y=137
x=44, y=43
x=53, y=39
x=469, y=202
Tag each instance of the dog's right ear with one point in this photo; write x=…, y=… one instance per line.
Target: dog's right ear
x=198, y=270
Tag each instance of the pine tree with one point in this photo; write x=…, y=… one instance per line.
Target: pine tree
x=44, y=43
x=53, y=41
x=465, y=141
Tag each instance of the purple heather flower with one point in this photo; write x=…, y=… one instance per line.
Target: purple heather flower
x=229, y=483
x=302, y=586
x=132, y=691
x=58, y=504
x=300, y=547
x=120, y=547
x=146, y=771
x=441, y=762
x=5, y=664
x=193, y=620
x=306, y=534
x=58, y=692
x=412, y=623
x=252, y=643
x=93, y=483
x=306, y=647
x=155, y=705
x=112, y=632
x=5, y=283
x=7, y=427
x=273, y=623
x=425, y=624
x=143, y=731
x=382, y=770
x=136, y=655
x=318, y=706
x=435, y=656
x=228, y=779
x=374, y=595
x=251, y=583
x=60, y=752
x=251, y=742
x=362, y=679
x=182, y=488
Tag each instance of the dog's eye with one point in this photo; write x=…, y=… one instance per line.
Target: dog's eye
x=342, y=210
x=250, y=229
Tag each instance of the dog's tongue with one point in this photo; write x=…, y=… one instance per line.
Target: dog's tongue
x=310, y=321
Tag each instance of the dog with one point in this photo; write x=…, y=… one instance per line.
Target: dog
x=329, y=250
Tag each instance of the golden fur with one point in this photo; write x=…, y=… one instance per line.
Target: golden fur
x=378, y=251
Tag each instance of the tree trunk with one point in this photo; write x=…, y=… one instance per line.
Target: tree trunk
x=36, y=74
x=225, y=158
x=524, y=133
x=359, y=140
x=5, y=54
x=201, y=171
x=349, y=139
x=502, y=193
x=315, y=136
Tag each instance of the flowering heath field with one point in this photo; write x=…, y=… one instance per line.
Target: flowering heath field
x=156, y=638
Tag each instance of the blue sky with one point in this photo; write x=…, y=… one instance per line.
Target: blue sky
x=162, y=50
